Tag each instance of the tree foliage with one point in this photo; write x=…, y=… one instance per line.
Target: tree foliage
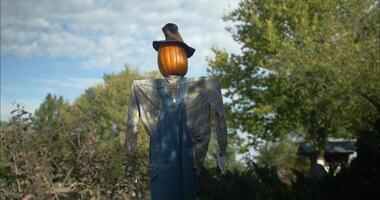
x=48, y=114
x=305, y=67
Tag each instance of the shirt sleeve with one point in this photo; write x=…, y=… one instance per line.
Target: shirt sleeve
x=133, y=116
x=221, y=126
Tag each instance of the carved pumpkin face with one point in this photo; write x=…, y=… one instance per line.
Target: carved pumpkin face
x=172, y=60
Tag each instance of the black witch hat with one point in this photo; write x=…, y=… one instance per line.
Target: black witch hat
x=173, y=37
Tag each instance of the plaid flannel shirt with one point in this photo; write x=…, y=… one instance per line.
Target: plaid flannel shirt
x=201, y=94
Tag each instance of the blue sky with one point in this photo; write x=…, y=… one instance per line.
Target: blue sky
x=64, y=47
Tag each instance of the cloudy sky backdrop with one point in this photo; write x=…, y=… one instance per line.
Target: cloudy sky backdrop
x=64, y=47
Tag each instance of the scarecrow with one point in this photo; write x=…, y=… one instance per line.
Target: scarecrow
x=175, y=111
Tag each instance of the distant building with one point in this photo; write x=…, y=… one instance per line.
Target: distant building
x=337, y=153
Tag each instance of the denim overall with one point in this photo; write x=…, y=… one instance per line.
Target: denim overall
x=172, y=176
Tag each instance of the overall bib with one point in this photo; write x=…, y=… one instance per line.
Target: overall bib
x=172, y=176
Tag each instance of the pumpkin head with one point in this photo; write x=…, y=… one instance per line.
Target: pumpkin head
x=172, y=60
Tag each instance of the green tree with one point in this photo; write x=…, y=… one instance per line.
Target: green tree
x=106, y=104
x=47, y=116
x=308, y=67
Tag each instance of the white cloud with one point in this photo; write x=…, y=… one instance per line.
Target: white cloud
x=106, y=34
x=70, y=83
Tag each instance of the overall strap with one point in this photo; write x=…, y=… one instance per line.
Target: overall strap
x=166, y=99
x=181, y=92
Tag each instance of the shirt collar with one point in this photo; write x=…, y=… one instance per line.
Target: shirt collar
x=173, y=79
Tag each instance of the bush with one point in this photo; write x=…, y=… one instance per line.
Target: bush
x=73, y=164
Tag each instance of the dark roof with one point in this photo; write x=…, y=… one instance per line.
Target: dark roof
x=331, y=147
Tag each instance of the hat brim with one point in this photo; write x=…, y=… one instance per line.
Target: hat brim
x=189, y=50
